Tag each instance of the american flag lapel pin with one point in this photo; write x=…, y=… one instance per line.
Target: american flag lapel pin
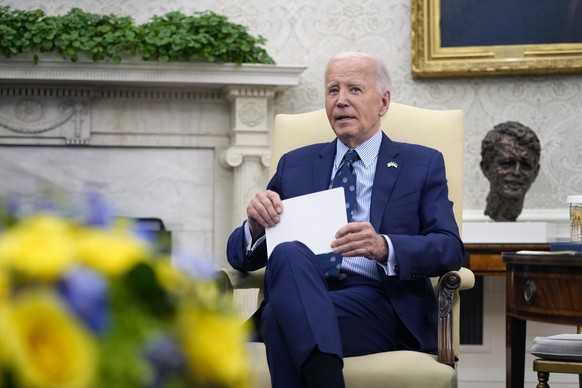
x=392, y=164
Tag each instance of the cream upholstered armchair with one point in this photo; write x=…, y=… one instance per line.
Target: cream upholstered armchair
x=442, y=130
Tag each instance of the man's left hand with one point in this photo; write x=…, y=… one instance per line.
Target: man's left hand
x=360, y=239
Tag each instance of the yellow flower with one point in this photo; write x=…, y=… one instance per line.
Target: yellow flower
x=3, y=335
x=49, y=346
x=112, y=252
x=40, y=247
x=4, y=293
x=214, y=345
x=171, y=279
x=4, y=286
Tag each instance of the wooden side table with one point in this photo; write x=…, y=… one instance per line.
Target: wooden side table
x=484, y=259
x=545, y=287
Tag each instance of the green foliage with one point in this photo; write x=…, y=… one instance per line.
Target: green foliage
x=140, y=309
x=98, y=35
x=123, y=344
x=142, y=281
x=201, y=37
x=206, y=37
x=20, y=31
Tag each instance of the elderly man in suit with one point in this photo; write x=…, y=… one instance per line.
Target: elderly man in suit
x=401, y=232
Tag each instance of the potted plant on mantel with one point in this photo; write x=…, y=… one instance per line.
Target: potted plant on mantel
x=174, y=37
x=203, y=48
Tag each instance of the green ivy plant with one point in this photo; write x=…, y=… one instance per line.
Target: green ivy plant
x=201, y=37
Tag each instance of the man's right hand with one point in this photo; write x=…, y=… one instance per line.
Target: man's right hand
x=263, y=211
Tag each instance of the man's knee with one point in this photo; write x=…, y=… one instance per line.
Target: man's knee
x=289, y=253
x=290, y=260
x=289, y=246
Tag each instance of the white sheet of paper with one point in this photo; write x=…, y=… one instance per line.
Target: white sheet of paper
x=312, y=219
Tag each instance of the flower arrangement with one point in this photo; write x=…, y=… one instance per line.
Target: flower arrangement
x=91, y=302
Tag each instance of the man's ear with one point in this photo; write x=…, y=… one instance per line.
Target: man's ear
x=385, y=103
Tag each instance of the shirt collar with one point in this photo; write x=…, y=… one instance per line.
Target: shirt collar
x=367, y=151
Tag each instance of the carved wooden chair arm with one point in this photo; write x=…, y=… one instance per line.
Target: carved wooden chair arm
x=448, y=286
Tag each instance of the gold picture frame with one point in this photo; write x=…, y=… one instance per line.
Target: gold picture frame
x=431, y=60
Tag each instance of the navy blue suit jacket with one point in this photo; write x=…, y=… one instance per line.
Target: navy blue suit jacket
x=409, y=203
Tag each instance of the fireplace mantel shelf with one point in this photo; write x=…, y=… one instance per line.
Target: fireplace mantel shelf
x=142, y=73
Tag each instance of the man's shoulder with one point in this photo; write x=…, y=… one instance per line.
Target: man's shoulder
x=308, y=150
x=413, y=148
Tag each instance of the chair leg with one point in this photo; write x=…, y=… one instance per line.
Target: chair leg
x=580, y=380
x=543, y=378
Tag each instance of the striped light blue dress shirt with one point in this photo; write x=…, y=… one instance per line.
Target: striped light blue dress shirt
x=365, y=168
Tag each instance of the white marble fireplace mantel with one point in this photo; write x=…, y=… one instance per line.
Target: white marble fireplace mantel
x=144, y=73
x=186, y=142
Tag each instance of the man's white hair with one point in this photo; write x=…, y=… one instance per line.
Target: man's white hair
x=383, y=80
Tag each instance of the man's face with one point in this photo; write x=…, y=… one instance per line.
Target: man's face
x=352, y=102
x=512, y=170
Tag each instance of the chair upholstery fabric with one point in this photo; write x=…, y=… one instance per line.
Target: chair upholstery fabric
x=398, y=369
x=442, y=130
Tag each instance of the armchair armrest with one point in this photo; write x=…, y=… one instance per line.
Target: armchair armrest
x=467, y=279
x=231, y=279
x=449, y=284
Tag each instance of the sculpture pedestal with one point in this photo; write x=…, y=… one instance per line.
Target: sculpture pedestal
x=509, y=232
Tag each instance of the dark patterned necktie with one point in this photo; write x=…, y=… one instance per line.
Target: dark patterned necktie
x=344, y=177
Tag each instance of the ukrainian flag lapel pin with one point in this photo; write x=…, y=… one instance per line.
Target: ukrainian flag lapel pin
x=392, y=164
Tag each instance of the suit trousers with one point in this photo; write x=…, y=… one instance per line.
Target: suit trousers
x=303, y=310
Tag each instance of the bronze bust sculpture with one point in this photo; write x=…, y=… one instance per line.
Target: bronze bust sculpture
x=510, y=156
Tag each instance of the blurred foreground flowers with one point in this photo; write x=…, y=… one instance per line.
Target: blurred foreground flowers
x=96, y=305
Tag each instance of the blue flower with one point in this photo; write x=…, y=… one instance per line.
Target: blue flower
x=85, y=292
x=166, y=358
x=100, y=213
x=195, y=265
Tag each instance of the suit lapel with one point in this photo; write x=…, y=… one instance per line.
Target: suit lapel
x=387, y=170
x=323, y=166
